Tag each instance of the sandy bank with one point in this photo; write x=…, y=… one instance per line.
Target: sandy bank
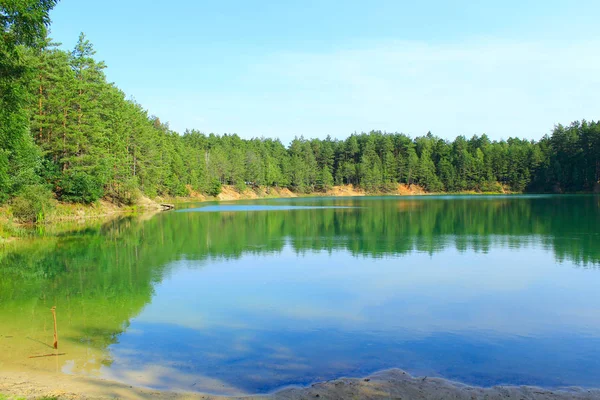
x=103, y=209
x=230, y=193
x=391, y=384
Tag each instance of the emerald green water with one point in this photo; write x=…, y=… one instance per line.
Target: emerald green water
x=248, y=297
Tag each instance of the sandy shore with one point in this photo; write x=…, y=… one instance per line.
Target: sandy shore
x=390, y=384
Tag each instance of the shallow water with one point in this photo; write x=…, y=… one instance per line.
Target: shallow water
x=249, y=297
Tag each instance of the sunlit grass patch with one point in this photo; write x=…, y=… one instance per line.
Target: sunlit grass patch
x=6, y=397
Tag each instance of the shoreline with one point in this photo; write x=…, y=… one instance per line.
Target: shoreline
x=69, y=213
x=66, y=213
x=393, y=383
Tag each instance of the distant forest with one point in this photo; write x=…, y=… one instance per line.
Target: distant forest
x=65, y=129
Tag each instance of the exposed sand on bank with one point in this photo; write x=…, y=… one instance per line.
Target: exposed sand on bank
x=400, y=190
x=391, y=384
x=230, y=193
x=346, y=190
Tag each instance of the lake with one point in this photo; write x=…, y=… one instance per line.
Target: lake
x=252, y=296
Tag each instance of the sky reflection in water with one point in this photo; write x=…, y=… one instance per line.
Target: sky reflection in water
x=250, y=208
x=485, y=290
x=510, y=314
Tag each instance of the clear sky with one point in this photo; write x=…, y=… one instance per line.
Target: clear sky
x=317, y=67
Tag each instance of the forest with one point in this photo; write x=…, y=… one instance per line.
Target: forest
x=69, y=134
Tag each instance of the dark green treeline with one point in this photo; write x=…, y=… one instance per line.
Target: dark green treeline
x=62, y=125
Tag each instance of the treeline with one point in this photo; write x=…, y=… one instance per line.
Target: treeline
x=65, y=128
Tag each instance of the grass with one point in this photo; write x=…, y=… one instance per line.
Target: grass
x=64, y=217
x=6, y=397
x=8, y=229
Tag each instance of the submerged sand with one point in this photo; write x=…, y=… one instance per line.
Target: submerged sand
x=390, y=384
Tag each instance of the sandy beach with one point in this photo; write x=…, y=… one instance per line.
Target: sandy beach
x=389, y=384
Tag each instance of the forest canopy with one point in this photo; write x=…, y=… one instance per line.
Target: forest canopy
x=64, y=128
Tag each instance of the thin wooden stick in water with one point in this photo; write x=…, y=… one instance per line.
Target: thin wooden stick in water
x=49, y=355
x=53, y=309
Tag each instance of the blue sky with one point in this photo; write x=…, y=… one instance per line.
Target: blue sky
x=313, y=68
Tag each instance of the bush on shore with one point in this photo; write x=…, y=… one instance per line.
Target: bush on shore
x=32, y=204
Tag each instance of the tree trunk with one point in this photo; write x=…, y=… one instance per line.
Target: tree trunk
x=64, y=138
x=41, y=113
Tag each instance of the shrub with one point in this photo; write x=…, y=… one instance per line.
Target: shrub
x=32, y=204
x=240, y=186
x=388, y=187
x=491, y=187
x=178, y=189
x=126, y=192
x=131, y=195
x=79, y=187
x=214, y=188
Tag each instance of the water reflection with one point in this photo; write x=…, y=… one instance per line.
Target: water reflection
x=240, y=301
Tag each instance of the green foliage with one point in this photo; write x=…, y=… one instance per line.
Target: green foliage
x=491, y=187
x=126, y=192
x=32, y=203
x=240, y=186
x=371, y=172
x=6, y=397
x=79, y=187
x=324, y=180
x=214, y=188
x=22, y=23
x=63, y=124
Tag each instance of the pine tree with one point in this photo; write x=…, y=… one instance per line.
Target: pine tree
x=427, y=174
x=23, y=24
x=85, y=160
x=370, y=168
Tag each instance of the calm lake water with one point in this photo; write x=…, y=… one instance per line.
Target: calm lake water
x=249, y=297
